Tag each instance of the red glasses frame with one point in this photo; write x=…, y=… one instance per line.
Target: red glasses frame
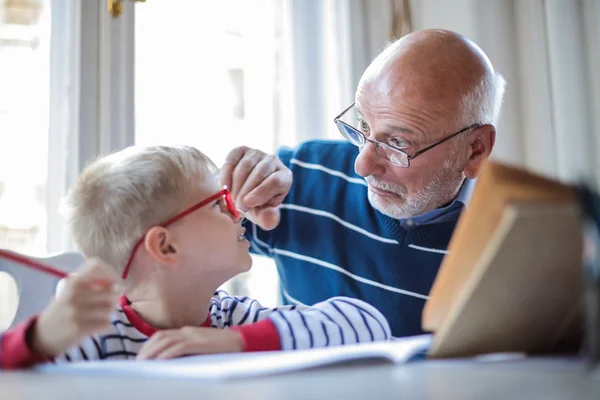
x=228, y=202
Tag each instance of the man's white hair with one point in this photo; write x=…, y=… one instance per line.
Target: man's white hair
x=119, y=197
x=482, y=104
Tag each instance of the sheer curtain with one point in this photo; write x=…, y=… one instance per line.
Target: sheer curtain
x=573, y=42
x=325, y=48
x=549, y=53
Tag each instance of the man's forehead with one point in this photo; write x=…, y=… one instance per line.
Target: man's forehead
x=390, y=125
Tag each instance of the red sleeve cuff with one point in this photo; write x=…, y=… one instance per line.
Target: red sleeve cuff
x=260, y=336
x=14, y=350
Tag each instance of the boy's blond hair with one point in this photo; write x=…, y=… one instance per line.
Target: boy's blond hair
x=119, y=197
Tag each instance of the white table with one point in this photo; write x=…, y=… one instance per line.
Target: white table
x=528, y=379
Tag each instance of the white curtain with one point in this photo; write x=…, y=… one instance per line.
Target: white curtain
x=325, y=47
x=549, y=53
x=573, y=38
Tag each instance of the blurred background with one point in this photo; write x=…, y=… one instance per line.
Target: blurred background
x=77, y=81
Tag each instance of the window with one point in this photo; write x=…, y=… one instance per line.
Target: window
x=24, y=108
x=204, y=76
x=24, y=79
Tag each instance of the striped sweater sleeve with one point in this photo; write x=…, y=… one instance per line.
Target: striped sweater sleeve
x=334, y=322
x=120, y=341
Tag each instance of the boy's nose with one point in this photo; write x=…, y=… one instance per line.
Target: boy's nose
x=240, y=218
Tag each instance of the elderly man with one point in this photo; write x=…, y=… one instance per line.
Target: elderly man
x=371, y=217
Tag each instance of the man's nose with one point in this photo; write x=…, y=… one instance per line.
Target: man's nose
x=369, y=162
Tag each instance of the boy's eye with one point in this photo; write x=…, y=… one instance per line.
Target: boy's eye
x=221, y=204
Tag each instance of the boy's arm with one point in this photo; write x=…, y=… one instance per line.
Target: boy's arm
x=82, y=309
x=14, y=350
x=337, y=321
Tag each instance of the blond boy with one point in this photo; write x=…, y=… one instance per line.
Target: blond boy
x=173, y=236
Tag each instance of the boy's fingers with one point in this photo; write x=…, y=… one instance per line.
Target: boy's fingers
x=105, y=304
x=156, y=345
x=95, y=318
x=82, y=294
x=97, y=271
x=177, y=350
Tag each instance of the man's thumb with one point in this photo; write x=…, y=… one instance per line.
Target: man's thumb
x=267, y=218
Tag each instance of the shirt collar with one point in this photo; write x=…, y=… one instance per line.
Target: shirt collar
x=437, y=215
x=466, y=191
x=138, y=323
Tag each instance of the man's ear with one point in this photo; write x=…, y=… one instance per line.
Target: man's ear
x=159, y=244
x=480, y=148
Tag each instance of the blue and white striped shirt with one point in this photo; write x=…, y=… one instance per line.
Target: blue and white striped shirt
x=332, y=242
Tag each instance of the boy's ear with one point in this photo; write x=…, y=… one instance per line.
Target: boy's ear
x=158, y=243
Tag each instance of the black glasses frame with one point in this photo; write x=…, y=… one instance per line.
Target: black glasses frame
x=337, y=120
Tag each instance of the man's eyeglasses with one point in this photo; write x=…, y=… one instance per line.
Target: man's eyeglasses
x=390, y=153
x=228, y=202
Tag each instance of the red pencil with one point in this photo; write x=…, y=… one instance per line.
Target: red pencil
x=32, y=263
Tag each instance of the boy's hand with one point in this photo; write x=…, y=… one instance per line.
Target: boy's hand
x=258, y=183
x=189, y=341
x=81, y=309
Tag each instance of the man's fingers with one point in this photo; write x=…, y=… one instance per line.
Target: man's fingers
x=256, y=181
x=270, y=192
x=242, y=171
x=231, y=161
x=267, y=218
x=258, y=177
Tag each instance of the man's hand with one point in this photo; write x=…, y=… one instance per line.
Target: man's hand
x=258, y=183
x=189, y=341
x=82, y=308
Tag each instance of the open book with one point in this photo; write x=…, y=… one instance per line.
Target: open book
x=246, y=365
x=512, y=281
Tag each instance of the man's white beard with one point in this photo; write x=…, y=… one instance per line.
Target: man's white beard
x=439, y=190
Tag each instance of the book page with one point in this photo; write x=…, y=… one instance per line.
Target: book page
x=246, y=365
